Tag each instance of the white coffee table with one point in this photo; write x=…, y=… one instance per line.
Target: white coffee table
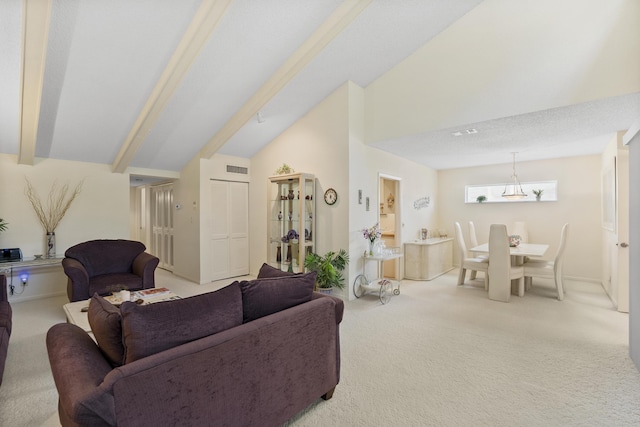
x=76, y=315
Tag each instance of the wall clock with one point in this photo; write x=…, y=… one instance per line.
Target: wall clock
x=330, y=196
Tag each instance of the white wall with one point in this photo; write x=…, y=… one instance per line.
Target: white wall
x=579, y=204
x=100, y=211
x=315, y=144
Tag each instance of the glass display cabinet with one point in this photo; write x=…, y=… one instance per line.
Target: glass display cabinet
x=291, y=220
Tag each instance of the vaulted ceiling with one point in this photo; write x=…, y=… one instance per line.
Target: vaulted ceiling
x=147, y=85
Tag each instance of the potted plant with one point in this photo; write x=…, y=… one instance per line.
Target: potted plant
x=3, y=225
x=329, y=268
x=538, y=193
x=481, y=198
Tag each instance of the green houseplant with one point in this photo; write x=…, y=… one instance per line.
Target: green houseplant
x=3, y=225
x=481, y=198
x=538, y=193
x=329, y=268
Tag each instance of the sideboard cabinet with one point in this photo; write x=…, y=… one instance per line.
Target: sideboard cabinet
x=428, y=259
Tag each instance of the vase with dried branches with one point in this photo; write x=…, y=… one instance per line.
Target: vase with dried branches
x=50, y=215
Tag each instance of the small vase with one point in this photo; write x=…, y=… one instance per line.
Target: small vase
x=279, y=255
x=371, y=243
x=50, y=244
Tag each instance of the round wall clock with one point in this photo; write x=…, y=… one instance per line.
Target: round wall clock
x=330, y=196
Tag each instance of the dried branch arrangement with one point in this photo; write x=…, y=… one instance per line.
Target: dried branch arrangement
x=57, y=205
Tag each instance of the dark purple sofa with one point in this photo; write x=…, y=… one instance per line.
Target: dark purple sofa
x=254, y=353
x=103, y=266
x=5, y=323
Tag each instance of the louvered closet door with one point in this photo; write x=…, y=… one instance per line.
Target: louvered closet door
x=162, y=225
x=229, y=229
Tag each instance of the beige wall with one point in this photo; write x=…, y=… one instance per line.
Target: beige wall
x=579, y=204
x=101, y=211
x=315, y=144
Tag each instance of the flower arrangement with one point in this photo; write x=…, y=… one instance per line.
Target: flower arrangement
x=291, y=235
x=58, y=202
x=284, y=169
x=372, y=233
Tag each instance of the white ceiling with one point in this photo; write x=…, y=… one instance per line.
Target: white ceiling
x=152, y=83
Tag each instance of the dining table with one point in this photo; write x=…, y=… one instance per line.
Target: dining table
x=518, y=254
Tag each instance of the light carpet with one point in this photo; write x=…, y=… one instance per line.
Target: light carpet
x=437, y=354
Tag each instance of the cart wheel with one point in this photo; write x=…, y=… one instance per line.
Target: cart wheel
x=358, y=285
x=385, y=291
x=396, y=291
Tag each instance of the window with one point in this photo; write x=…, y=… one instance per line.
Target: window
x=493, y=192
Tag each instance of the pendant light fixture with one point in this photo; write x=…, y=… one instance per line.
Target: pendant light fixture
x=513, y=189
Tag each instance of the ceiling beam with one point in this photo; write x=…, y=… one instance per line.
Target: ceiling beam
x=204, y=22
x=36, y=16
x=336, y=23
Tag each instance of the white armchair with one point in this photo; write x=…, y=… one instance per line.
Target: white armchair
x=549, y=269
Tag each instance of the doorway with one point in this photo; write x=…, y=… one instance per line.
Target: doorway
x=390, y=219
x=162, y=225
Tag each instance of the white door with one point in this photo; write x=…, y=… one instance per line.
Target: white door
x=162, y=225
x=229, y=229
x=620, y=265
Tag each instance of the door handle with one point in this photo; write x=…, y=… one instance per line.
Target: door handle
x=623, y=245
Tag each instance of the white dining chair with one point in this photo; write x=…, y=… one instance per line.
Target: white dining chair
x=467, y=262
x=473, y=242
x=549, y=269
x=501, y=272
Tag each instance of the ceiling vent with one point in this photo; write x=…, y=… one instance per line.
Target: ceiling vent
x=237, y=169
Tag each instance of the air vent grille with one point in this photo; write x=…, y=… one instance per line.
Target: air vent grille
x=237, y=169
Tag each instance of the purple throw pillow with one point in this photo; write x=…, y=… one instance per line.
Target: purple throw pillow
x=265, y=296
x=150, y=329
x=268, y=271
x=106, y=324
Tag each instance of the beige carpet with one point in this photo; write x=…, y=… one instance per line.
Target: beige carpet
x=437, y=354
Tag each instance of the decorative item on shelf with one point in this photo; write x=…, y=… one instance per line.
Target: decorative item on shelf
x=513, y=189
x=291, y=196
x=290, y=236
x=481, y=199
x=391, y=200
x=280, y=216
x=329, y=268
x=284, y=169
x=538, y=193
x=424, y=233
x=514, y=240
x=290, y=216
x=372, y=234
x=279, y=254
x=51, y=215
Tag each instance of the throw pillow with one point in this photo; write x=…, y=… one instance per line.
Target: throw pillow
x=268, y=271
x=150, y=329
x=106, y=324
x=265, y=296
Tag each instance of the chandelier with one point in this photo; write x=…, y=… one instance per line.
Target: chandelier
x=513, y=189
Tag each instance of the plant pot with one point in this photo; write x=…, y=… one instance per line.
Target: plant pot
x=326, y=291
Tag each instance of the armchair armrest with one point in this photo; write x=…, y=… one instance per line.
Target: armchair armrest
x=79, y=368
x=144, y=265
x=78, y=286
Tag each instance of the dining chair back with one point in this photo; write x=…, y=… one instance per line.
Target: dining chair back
x=470, y=263
x=501, y=272
x=550, y=269
x=473, y=242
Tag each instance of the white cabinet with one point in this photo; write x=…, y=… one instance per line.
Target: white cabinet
x=291, y=220
x=428, y=259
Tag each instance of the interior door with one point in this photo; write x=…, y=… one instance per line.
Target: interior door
x=162, y=225
x=229, y=229
x=620, y=267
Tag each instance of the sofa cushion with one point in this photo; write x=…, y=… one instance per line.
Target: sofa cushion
x=106, y=324
x=265, y=296
x=150, y=329
x=268, y=271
